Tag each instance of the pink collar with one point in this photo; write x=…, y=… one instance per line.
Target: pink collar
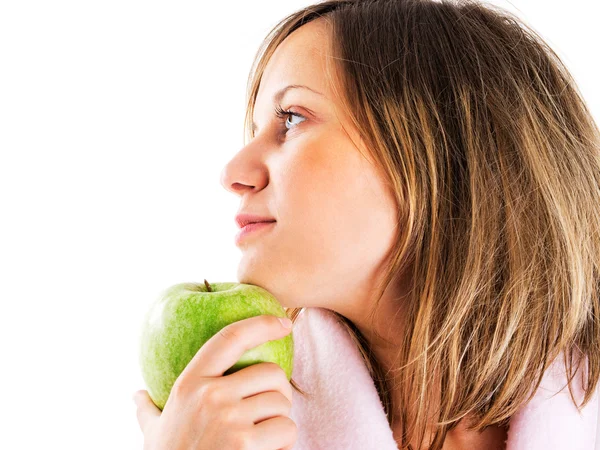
x=345, y=412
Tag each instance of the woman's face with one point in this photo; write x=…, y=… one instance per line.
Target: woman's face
x=335, y=217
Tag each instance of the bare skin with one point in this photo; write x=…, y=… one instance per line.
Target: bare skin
x=336, y=217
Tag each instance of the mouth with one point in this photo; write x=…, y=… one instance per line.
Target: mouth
x=257, y=221
x=252, y=229
x=245, y=218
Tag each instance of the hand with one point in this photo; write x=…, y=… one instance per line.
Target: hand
x=248, y=409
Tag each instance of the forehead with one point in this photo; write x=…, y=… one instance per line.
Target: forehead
x=299, y=60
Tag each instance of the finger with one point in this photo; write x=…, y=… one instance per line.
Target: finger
x=147, y=411
x=257, y=378
x=227, y=346
x=265, y=405
x=278, y=432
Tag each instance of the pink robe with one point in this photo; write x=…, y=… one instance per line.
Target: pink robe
x=346, y=413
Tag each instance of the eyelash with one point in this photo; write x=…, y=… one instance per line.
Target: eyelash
x=283, y=114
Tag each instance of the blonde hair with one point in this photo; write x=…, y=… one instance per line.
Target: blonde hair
x=494, y=160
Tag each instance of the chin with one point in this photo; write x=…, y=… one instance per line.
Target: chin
x=282, y=297
x=248, y=274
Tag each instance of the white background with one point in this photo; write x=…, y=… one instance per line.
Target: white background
x=116, y=119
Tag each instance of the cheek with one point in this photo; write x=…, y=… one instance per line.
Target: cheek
x=337, y=224
x=332, y=193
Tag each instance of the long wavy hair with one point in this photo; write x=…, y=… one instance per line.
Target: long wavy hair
x=494, y=159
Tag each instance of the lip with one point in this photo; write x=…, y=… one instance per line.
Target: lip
x=252, y=229
x=244, y=219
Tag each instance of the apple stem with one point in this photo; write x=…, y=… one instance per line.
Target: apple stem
x=207, y=286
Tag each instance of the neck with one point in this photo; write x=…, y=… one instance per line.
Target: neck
x=460, y=438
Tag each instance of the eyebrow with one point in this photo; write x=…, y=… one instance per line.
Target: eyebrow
x=280, y=93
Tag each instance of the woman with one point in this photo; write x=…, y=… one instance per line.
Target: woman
x=432, y=174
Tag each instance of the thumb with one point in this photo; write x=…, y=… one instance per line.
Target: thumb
x=147, y=411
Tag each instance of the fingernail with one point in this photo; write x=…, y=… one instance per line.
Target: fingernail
x=287, y=323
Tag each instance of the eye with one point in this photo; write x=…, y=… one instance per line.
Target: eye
x=284, y=114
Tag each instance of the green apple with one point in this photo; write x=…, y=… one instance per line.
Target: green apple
x=186, y=315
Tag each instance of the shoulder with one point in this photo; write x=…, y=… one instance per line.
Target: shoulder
x=551, y=418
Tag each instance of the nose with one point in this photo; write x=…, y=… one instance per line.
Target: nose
x=226, y=179
x=239, y=176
